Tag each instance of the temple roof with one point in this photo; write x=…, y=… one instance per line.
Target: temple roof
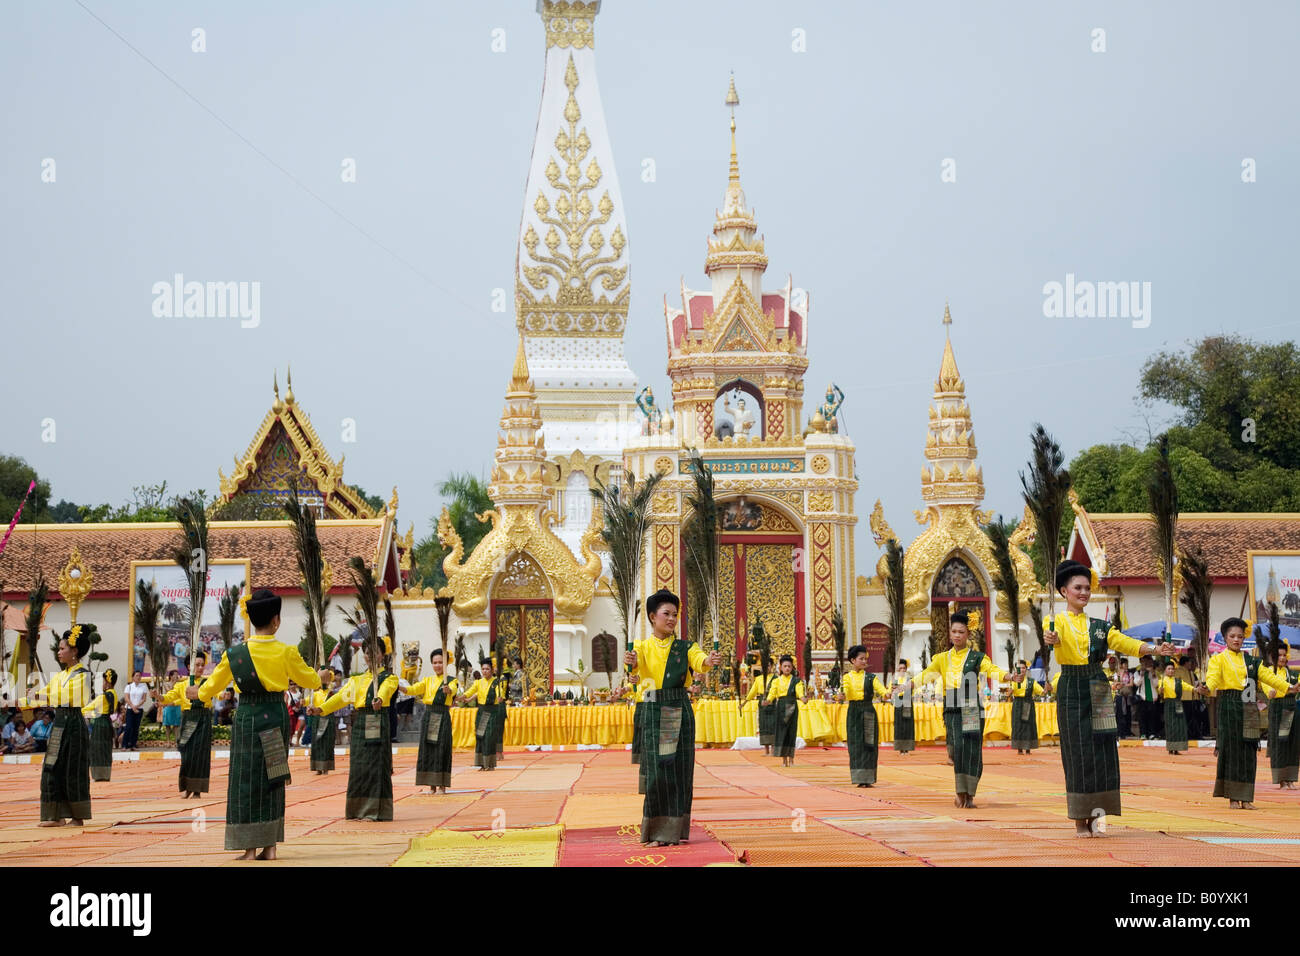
x=286, y=444
x=108, y=550
x=1119, y=545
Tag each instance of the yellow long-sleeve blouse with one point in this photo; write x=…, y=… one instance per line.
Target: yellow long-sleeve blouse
x=479, y=689
x=781, y=686
x=102, y=706
x=948, y=665
x=276, y=664
x=70, y=687
x=1167, y=686
x=758, y=688
x=652, y=659
x=1028, y=684
x=1227, y=671
x=854, y=684
x=1073, y=631
x=176, y=696
x=1283, y=672
x=354, y=692
x=433, y=688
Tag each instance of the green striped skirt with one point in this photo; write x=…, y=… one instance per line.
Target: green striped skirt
x=638, y=714
x=1024, y=723
x=766, y=723
x=1175, y=725
x=967, y=751
x=1234, y=777
x=196, y=749
x=433, y=765
x=255, y=804
x=370, y=767
x=323, y=729
x=486, y=723
x=904, y=729
x=638, y=733
x=668, y=759
x=101, y=748
x=65, y=781
x=1090, y=758
x=786, y=721
x=863, y=740
x=1283, y=749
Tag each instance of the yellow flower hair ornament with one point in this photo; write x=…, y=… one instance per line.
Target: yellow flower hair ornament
x=73, y=635
x=243, y=603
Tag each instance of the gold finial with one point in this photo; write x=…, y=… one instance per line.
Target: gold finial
x=519, y=375
x=392, y=502
x=947, y=316
x=288, y=393
x=276, y=405
x=732, y=102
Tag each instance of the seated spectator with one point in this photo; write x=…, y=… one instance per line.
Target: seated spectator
x=21, y=741
x=41, y=730
x=119, y=724
x=8, y=731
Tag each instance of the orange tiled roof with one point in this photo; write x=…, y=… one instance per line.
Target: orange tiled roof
x=1225, y=538
x=109, y=549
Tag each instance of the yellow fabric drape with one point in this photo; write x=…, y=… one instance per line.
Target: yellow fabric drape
x=720, y=722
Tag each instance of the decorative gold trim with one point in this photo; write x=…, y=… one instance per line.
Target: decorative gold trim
x=341, y=500
x=569, y=23
x=572, y=222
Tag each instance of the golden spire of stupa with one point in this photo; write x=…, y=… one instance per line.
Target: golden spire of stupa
x=288, y=391
x=520, y=378
x=735, y=244
x=950, y=380
x=953, y=476
x=276, y=405
x=733, y=100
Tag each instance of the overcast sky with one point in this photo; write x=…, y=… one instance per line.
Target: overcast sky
x=1120, y=166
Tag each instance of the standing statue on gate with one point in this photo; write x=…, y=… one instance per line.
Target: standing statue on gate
x=831, y=407
x=655, y=419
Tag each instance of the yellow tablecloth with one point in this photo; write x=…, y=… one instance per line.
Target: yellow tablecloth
x=721, y=722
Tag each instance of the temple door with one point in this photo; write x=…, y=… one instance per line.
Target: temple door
x=522, y=612
x=526, y=628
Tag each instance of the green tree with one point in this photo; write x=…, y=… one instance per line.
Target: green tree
x=466, y=496
x=1232, y=445
x=15, y=477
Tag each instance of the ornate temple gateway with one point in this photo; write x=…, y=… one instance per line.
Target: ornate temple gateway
x=736, y=357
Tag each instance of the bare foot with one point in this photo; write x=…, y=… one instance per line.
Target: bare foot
x=1247, y=805
x=970, y=804
x=82, y=823
x=268, y=853
x=246, y=855
x=1082, y=829
x=957, y=801
x=50, y=823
